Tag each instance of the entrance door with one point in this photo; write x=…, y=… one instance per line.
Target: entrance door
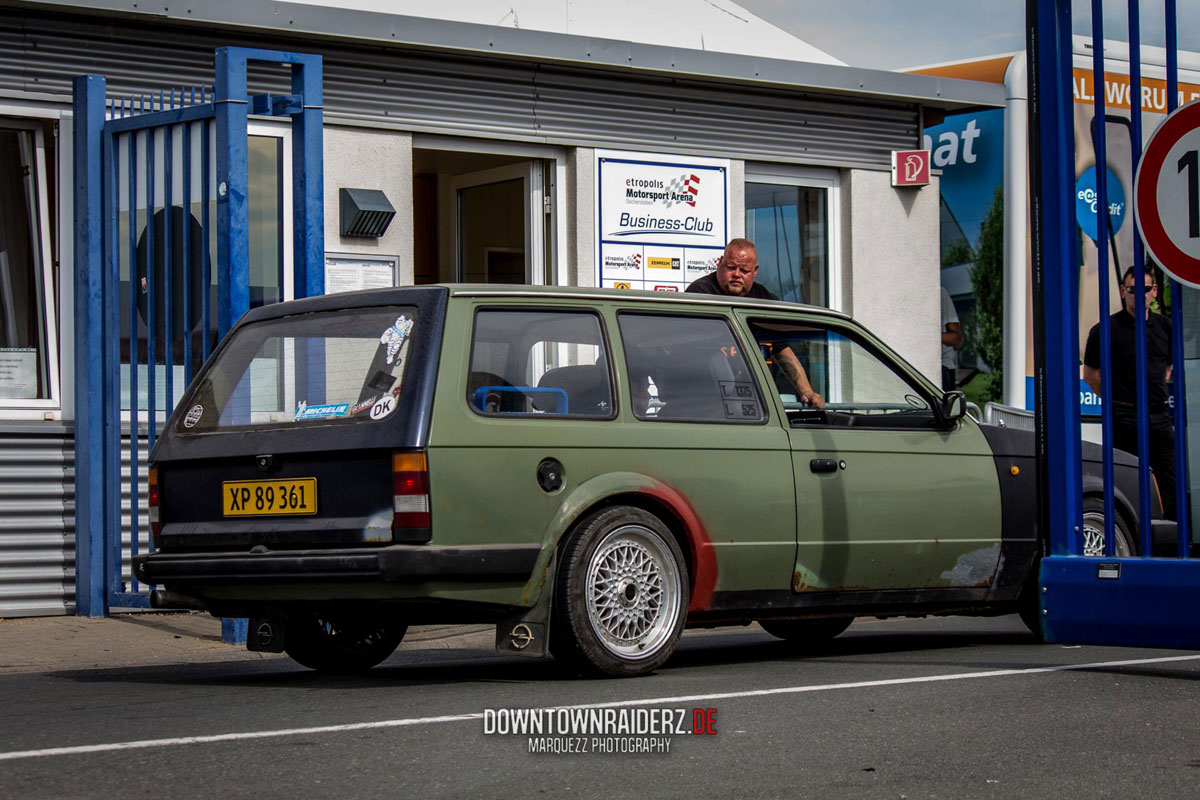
x=500, y=224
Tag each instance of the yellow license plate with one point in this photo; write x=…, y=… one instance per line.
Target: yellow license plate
x=269, y=498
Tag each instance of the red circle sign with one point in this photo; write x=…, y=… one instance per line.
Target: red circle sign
x=1167, y=195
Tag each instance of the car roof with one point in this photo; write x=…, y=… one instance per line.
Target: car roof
x=629, y=295
x=403, y=295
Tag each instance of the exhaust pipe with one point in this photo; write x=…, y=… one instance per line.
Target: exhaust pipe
x=166, y=599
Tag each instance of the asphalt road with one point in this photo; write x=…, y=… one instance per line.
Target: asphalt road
x=940, y=708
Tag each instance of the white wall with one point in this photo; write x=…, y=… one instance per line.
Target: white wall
x=365, y=158
x=581, y=217
x=891, y=262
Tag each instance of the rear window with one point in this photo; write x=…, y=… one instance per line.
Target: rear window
x=332, y=367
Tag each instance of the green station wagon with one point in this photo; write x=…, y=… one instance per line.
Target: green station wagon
x=590, y=470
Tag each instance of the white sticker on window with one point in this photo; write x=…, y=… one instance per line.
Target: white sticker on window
x=385, y=406
x=393, y=337
x=193, y=416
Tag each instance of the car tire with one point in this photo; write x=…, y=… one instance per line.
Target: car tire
x=339, y=645
x=1124, y=544
x=806, y=631
x=621, y=594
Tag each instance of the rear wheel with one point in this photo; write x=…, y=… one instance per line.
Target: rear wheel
x=340, y=644
x=806, y=631
x=621, y=596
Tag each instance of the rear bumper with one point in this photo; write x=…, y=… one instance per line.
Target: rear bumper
x=396, y=563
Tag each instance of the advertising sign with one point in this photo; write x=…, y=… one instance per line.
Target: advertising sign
x=661, y=220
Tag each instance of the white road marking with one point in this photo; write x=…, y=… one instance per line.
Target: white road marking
x=652, y=701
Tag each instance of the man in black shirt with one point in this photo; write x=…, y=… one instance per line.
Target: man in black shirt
x=1124, y=381
x=736, y=270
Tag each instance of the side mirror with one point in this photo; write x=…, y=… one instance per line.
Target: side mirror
x=954, y=406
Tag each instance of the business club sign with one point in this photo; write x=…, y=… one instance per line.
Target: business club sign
x=662, y=220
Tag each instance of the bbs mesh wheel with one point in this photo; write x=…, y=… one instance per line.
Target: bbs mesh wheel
x=621, y=595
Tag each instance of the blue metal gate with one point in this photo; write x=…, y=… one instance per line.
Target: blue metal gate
x=154, y=175
x=1143, y=599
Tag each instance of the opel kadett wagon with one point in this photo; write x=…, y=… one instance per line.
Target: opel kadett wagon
x=590, y=470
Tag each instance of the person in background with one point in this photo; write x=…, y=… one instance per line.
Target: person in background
x=734, y=277
x=952, y=339
x=1124, y=382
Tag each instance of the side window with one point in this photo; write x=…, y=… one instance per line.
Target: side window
x=545, y=363
x=688, y=368
x=860, y=389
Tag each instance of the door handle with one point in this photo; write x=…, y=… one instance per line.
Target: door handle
x=820, y=465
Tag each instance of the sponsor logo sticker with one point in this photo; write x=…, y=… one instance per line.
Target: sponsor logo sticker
x=306, y=412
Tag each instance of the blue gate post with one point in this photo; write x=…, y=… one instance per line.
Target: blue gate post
x=91, y=595
x=1056, y=278
x=233, y=106
x=308, y=179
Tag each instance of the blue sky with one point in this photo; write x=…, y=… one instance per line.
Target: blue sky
x=893, y=34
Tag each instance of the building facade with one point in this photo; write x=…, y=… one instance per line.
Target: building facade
x=502, y=152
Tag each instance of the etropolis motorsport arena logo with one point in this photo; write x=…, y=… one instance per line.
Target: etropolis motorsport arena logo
x=683, y=190
x=606, y=730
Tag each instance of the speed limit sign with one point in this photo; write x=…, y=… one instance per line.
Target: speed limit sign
x=1167, y=195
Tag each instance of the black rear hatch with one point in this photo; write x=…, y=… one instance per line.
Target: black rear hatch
x=285, y=439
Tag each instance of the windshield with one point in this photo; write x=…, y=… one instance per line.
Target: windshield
x=322, y=368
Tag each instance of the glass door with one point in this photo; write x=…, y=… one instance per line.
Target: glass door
x=500, y=224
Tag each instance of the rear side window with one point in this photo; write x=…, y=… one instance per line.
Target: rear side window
x=329, y=367
x=688, y=369
x=539, y=363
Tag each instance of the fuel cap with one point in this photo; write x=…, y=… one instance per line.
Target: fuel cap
x=550, y=474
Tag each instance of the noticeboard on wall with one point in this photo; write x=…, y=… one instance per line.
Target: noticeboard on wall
x=346, y=272
x=661, y=220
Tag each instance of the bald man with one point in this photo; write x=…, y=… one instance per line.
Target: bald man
x=736, y=269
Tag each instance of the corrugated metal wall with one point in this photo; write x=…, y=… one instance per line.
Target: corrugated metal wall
x=126, y=504
x=37, y=520
x=439, y=93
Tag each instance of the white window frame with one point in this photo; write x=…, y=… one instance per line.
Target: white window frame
x=811, y=177
x=12, y=118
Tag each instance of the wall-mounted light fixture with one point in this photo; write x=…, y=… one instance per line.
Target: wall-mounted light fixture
x=365, y=212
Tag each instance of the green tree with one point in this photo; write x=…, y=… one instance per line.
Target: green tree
x=987, y=276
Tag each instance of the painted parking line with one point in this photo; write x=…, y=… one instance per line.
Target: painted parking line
x=144, y=744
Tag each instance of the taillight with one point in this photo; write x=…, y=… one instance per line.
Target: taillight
x=410, y=497
x=152, y=499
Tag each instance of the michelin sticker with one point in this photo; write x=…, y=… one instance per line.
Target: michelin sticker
x=306, y=412
x=384, y=407
x=393, y=337
x=193, y=416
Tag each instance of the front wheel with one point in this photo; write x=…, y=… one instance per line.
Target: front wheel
x=340, y=645
x=1093, y=531
x=621, y=596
